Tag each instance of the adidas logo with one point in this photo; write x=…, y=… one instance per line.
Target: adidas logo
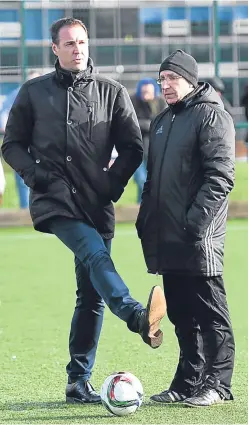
x=159, y=130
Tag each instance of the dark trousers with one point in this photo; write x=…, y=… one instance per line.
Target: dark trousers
x=97, y=282
x=198, y=309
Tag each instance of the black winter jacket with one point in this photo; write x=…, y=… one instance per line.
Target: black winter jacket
x=182, y=218
x=59, y=137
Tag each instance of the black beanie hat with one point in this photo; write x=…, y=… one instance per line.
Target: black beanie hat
x=183, y=64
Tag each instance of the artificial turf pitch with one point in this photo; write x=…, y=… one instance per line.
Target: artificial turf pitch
x=37, y=295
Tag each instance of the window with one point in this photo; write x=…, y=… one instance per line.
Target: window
x=129, y=22
x=175, y=23
x=225, y=15
x=242, y=52
x=53, y=15
x=153, y=30
x=33, y=24
x=129, y=55
x=104, y=23
x=183, y=46
x=201, y=52
x=152, y=20
x=241, y=12
x=153, y=54
x=225, y=28
x=52, y=57
x=92, y=53
x=105, y=55
x=83, y=15
x=9, y=15
x=35, y=56
x=9, y=56
x=175, y=13
x=199, y=17
x=228, y=89
x=226, y=53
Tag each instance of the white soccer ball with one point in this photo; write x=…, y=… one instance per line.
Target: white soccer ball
x=121, y=393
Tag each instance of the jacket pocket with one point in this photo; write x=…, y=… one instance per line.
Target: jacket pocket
x=191, y=233
x=37, y=178
x=143, y=215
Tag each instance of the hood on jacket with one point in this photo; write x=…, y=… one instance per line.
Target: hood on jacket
x=145, y=81
x=207, y=94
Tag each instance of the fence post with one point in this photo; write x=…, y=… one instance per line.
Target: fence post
x=216, y=33
x=22, y=41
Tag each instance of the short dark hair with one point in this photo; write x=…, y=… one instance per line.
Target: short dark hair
x=64, y=22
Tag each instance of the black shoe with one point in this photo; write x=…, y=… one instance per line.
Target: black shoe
x=81, y=392
x=208, y=395
x=149, y=318
x=168, y=396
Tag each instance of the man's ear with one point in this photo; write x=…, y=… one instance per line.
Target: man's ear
x=55, y=49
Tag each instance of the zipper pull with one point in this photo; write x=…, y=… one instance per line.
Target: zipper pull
x=173, y=118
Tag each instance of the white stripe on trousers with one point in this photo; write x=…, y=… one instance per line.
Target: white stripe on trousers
x=208, y=240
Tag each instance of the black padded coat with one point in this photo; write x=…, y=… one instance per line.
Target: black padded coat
x=59, y=137
x=182, y=217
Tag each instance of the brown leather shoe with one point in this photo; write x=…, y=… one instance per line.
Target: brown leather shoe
x=149, y=319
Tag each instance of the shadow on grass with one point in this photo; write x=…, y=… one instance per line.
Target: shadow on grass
x=55, y=405
x=31, y=407
x=63, y=419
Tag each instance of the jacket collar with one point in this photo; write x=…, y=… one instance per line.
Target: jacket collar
x=69, y=78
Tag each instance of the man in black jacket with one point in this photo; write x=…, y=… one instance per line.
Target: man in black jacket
x=59, y=137
x=182, y=226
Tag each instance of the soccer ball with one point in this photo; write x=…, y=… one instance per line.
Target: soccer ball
x=121, y=393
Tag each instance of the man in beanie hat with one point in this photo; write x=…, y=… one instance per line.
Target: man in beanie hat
x=182, y=226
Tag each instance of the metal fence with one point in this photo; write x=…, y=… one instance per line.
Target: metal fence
x=129, y=39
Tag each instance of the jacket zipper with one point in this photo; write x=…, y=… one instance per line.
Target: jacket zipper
x=158, y=193
x=67, y=105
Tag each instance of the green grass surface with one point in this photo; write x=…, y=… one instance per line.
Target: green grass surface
x=37, y=293
x=240, y=190
x=239, y=193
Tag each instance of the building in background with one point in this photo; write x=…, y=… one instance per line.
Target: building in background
x=129, y=39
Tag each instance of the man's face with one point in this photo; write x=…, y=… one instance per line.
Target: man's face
x=174, y=87
x=72, y=48
x=148, y=92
